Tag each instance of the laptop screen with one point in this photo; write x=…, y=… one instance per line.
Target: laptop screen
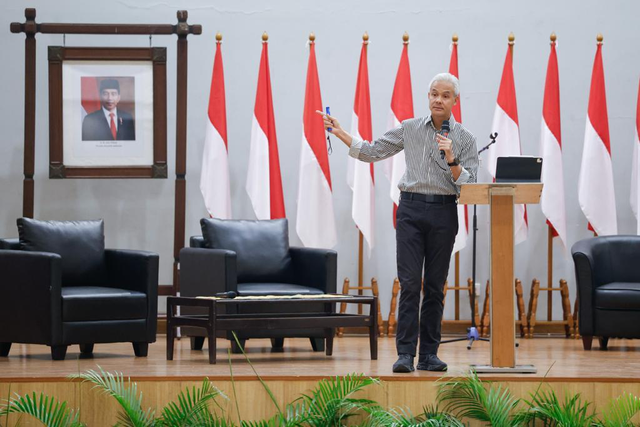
x=518, y=169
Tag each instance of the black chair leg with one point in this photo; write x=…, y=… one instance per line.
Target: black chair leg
x=197, y=343
x=277, y=344
x=603, y=342
x=234, y=346
x=86, y=348
x=317, y=344
x=141, y=349
x=58, y=352
x=586, y=342
x=4, y=349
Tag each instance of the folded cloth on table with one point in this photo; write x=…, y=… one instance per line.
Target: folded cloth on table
x=282, y=296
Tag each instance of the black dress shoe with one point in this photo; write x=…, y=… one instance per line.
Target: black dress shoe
x=404, y=363
x=430, y=362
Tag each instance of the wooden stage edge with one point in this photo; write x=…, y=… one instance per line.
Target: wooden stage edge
x=562, y=364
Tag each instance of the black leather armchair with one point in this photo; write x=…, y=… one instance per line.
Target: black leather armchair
x=60, y=286
x=254, y=258
x=608, y=278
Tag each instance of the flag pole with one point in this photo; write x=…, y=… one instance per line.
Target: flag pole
x=599, y=39
x=360, y=265
x=365, y=39
x=549, y=273
x=374, y=283
x=454, y=40
x=550, y=247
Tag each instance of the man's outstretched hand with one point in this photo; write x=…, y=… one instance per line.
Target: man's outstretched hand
x=330, y=122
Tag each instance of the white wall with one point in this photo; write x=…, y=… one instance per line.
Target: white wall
x=139, y=213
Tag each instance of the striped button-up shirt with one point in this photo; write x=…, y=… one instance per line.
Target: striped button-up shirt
x=427, y=172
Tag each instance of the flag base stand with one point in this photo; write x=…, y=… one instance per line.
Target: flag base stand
x=346, y=287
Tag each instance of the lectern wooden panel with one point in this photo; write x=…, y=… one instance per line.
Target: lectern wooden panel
x=502, y=198
x=502, y=296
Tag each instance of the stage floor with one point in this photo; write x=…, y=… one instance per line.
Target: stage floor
x=559, y=359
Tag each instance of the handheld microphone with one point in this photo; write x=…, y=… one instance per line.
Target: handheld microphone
x=228, y=294
x=444, y=131
x=330, y=149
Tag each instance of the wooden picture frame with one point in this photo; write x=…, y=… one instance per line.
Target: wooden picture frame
x=150, y=159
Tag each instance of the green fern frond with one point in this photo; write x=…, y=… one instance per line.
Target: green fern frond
x=547, y=408
x=205, y=419
x=472, y=398
x=330, y=402
x=125, y=393
x=434, y=413
x=620, y=411
x=192, y=406
x=293, y=417
x=44, y=408
x=380, y=417
x=296, y=414
x=262, y=423
x=400, y=417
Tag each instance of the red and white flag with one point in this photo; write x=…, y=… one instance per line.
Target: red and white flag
x=360, y=174
x=463, y=219
x=264, y=183
x=315, y=223
x=505, y=122
x=635, y=175
x=401, y=109
x=595, y=184
x=552, y=200
x=214, y=178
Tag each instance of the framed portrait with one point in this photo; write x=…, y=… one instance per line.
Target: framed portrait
x=107, y=112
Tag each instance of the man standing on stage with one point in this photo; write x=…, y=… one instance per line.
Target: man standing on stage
x=427, y=221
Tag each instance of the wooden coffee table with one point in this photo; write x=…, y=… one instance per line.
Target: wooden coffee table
x=328, y=319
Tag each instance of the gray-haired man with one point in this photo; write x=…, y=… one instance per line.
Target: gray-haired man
x=427, y=221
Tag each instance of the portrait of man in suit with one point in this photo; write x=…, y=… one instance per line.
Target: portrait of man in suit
x=109, y=122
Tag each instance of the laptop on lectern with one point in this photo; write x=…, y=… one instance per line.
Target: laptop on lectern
x=518, y=169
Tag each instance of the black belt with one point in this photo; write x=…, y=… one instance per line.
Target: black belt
x=428, y=198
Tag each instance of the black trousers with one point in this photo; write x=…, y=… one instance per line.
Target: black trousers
x=425, y=233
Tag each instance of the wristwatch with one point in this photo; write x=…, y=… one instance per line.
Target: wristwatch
x=456, y=162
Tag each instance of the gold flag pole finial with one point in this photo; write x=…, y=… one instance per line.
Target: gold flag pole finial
x=365, y=37
x=599, y=38
x=405, y=38
x=553, y=38
x=265, y=37
x=218, y=36
x=512, y=38
x=454, y=38
x=312, y=37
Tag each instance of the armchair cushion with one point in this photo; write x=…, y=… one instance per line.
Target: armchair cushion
x=618, y=296
x=92, y=303
x=261, y=247
x=11, y=244
x=80, y=244
x=196, y=242
x=254, y=289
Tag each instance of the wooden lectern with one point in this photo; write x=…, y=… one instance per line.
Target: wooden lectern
x=502, y=197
